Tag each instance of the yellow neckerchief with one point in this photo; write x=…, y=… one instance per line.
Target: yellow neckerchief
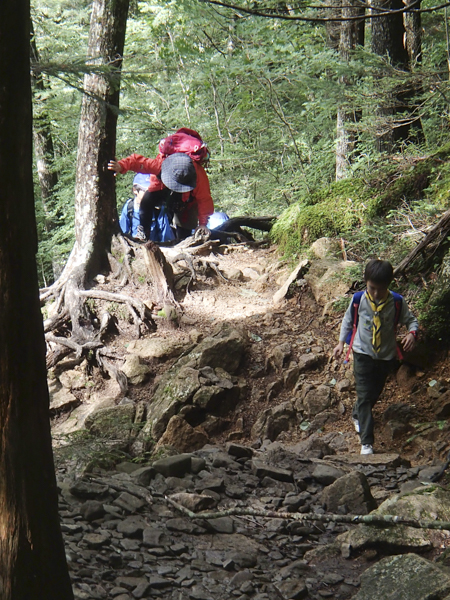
x=376, y=329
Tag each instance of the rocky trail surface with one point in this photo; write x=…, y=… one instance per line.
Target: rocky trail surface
x=241, y=407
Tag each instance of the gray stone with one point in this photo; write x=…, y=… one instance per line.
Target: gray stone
x=176, y=388
x=279, y=355
x=407, y=577
x=143, y=475
x=92, y=510
x=97, y=540
x=173, y=466
x=132, y=527
x=292, y=590
x=221, y=525
x=239, y=451
x=136, y=371
x=261, y=470
x=351, y=490
x=307, y=362
x=129, y=502
x=181, y=525
x=426, y=503
x=181, y=436
x=194, y=502
x=152, y=537
x=224, y=350
x=274, y=421
x=317, y=400
x=162, y=348
x=114, y=422
x=326, y=474
x=88, y=490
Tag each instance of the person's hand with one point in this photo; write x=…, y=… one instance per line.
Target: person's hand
x=409, y=341
x=113, y=165
x=338, y=350
x=202, y=230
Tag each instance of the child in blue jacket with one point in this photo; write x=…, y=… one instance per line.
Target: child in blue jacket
x=130, y=218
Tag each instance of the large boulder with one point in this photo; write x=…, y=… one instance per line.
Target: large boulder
x=406, y=577
x=197, y=384
x=428, y=503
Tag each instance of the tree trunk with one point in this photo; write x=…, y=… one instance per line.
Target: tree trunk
x=44, y=150
x=351, y=35
x=161, y=275
x=32, y=559
x=389, y=40
x=95, y=201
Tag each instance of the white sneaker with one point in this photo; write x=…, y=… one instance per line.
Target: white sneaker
x=366, y=449
x=356, y=424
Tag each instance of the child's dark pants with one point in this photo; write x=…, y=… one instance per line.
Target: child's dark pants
x=370, y=377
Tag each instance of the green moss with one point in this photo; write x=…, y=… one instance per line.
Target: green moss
x=330, y=212
x=407, y=185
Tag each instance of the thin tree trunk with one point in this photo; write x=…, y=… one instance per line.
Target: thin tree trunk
x=32, y=559
x=44, y=151
x=351, y=34
x=413, y=40
x=95, y=201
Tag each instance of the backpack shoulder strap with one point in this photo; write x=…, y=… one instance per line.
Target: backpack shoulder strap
x=356, y=301
x=398, y=300
x=130, y=210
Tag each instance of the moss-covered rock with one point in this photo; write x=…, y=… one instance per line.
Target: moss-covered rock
x=330, y=212
x=428, y=503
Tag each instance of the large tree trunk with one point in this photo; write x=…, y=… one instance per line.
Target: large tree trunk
x=351, y=35
x=32, y=560
x=95, y=202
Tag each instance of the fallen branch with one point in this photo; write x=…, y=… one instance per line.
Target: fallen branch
x=372, y=519
x=437, y=233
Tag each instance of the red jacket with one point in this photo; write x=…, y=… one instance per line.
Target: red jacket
x=201, y=193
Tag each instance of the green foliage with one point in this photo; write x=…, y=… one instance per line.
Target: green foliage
x=434, y=314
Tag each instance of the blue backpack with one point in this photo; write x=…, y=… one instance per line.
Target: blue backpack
x=356, y=301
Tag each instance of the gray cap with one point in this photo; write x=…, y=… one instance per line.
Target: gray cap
x=178, y=173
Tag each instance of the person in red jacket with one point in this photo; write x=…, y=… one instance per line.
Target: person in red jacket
x=177, y=182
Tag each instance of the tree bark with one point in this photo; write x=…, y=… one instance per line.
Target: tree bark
x=32, y=559
x=161, y=275
x=44, y=151
x=95, y=201
x=389, y=39
x=351, y=35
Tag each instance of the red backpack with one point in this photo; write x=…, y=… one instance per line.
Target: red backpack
x=187, y=141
